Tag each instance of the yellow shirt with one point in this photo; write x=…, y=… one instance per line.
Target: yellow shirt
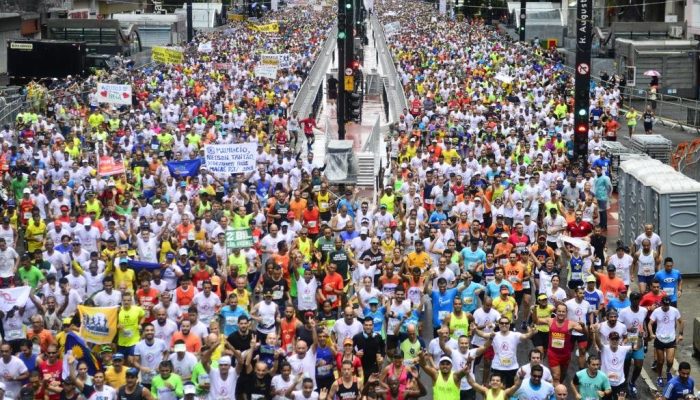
x=505, y=307
x=421, y=260
x=115, y=379
x=449, y=155
x=129, y=323
x=35, y=234
x=127, y=277
x=324, y=201
x=93, y=206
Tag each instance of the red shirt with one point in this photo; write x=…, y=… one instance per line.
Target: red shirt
x=650, y=299
x=51, y=373
x=311, y=219
x=580, y=230
x=331, y=284
x=147, y=300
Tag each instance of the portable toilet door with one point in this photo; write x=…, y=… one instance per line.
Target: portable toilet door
x=678, y=225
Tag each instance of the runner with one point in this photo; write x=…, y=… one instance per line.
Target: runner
x=668, y=333
x=561, y=342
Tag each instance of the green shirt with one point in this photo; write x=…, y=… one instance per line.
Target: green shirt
x=588, y=387
x=32, y=276
x=18, y=186
x=160, y=391
x=198, y=370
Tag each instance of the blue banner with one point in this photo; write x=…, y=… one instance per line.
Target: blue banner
x=139, y=265
x=181, y=169
x=76, y=345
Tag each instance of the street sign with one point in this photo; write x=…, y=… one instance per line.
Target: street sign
x=239, y=238
x=583, y=69
x=349, y=83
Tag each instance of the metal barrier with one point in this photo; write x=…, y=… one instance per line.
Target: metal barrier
x=316, y=105
x=385, y=103
x=395, y=87
x=315, y=78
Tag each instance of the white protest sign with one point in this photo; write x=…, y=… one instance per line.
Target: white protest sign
x=392, y=28
x=205, y=47
x=113, y=93
x=266, y=71
x=278, y=60
x=14, y=297
x=230, y=158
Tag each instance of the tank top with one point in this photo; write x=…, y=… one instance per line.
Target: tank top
x=342, y=221
x=289, y=330
x=323, y=202
x=239, y=262
x=343, y=393
x=543, y=313
x=445, y=388
x=136, y=395
x=7, y=234
x=576, y=265
x=560, y=338
x=458, y=326
x=267, y=313
x=183, y=298
x=388, y=201
x=647, y=263
x=500, y=396
x=588, y=213
x=304, y=247
x=402, y=376
x=306, y=294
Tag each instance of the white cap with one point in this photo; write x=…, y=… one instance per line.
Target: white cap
x=87, y=221
x=364, y=231
x=445, y=358
x=225, y=360
x=180, y=347
x=190, y=389
x=182, y=252
x=27, y=191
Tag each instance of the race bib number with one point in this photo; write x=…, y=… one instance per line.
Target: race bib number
x=670, y=291
x=231, y=320
x=505, y=360
x=558, y=343
x=526, y=284
x=323, y=205
x=443, y=314
x=277, y=294
x=576, y=276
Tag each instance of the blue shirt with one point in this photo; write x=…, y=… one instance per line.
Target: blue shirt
x=472, y=257
x=493, y=289
x=469, y=297
x=594, y=299
x=349, y=205
x=346, y=236
x=377, y=317
x=669, y=282
x=676, y=390
x=602, y=187
x=436, y=217
x=442, y=305
x=618, y=304
x=230, y=318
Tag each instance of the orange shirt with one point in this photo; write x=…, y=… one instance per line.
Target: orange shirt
x=331, y=284
x=192, y=342
x=421, y=260
x=502, y=250
x=514, y=275
x=610, y=287
x=297, y=207
x=183, y=231
x=45, y=338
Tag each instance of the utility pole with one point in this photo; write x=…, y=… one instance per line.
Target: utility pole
x=523, y=7
x=190, y=29
x=341, y=100
x=582, y=97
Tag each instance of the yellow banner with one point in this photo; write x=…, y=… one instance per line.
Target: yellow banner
x=272, y=27
x=167, y=55
x=98, y=324
x=236, y=17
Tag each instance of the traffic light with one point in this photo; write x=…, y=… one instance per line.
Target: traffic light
x=342, y=29
x=354, y=107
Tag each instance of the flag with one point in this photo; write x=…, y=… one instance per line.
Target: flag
x=17, y=296
x=179, y=169
x=98, y=324
x=139, y=265
x=76, y=345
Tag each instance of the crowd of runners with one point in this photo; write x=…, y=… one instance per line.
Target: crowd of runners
x=485, y=238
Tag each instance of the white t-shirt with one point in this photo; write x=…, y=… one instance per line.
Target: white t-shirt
x=482, y=318
x=299, y=395
x=279, y=384
x=612, y=363
x=436, y=352
x=634, y=322
x=107, y=393
x=546, y=373
x=206, y=306
x=222, y=389
x=165, y=332
x=577, y=312
x=665, y=323
x=506, y=351
x=606, y=330
x=342, y=330
x=622, y=266
x=103, y=299
x=185, y=366
x=151, y=356
x=12, y=369
x=8, y=258
x=306, y=366
x=459, y=360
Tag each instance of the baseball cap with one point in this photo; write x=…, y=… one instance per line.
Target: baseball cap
x=665, y=300
x=347, y=341
x=182, y=252
x=179, y=348
x=87, y=221
x=373, y=300
x=591, y=278
x=504, y=287
x=189, y=389
x=225, y=360
x=120, y=356
x=611, y=268
x=542, y=296
x=614, y=336
x=445, y=359
x=132, y=372
x=27, y=191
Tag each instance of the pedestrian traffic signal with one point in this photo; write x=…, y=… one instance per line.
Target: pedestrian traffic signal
x=582, y=128
x=354, y=106
x=342, y=29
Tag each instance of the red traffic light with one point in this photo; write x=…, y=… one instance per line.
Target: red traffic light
x=582, y=128
x=355, y=64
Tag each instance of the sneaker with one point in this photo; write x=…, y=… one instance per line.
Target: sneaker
x=653, y=364
x=660, y=382
x=633, y=390
x=646, y=348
